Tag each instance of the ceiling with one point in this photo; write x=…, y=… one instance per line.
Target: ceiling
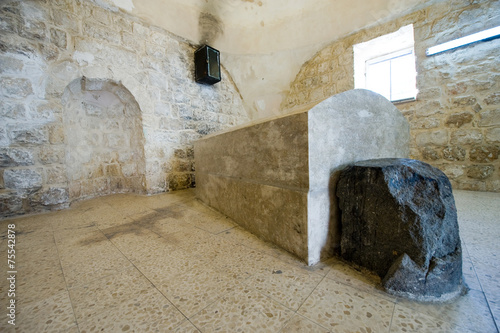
x=264, y=26
x=264, y=43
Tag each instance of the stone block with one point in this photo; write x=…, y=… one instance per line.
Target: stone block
x=56, y=134
x=140, y=30
x=484, y=154
x=101, y=15
x=430, y=154
x=46, y=112
x=100, y=32
x=33, y=30
x=10, y=157
x=54, y=196
x=454, y=153
x=294, y=160
x=51, y=154
x=15, y=111
x=459, y=119
x=9, y=65
x=58, y=37
x=436, y=137
x=489, y=118
x=10, y=203
x=113, y=170
x=178, y=181
x=8, y=43
x=466, y=137
x=480, y=172
x=29, y=136
x=28, y=179
x=16, y=87
x=425, y=123
x=456, y=88
x=49, y=52
x=464, y=101
x=131, y=42
x=67, y=20
x=429, y=108
x=493, y=135
x=493, y=99
x=4, y=138
x=9, y=23
x=453, y=171
x=56, y=174
x=399, y=219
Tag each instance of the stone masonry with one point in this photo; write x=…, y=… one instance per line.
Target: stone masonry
x=46, y=49
x=455, y=121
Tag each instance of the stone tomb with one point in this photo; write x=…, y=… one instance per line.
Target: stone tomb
x=399, y=220
x=276, y=177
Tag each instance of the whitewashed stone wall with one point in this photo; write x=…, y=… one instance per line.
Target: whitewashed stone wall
x=455, y=121
x=47, y=46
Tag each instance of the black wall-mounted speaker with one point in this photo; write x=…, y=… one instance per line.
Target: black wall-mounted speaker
x=207, y=65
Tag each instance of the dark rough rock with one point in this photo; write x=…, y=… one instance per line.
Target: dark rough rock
x=399, y=220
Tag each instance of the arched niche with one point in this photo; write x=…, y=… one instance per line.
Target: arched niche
x=104, y=139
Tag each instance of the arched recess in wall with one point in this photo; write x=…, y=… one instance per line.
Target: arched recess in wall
x=104, y=139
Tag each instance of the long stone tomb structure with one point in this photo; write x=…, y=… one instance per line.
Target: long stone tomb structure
x=276, y=178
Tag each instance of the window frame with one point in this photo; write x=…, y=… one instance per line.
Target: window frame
x=385, y=47
x=388, y=57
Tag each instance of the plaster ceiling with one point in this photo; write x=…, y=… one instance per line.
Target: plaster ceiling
x=264, y=26
x=264, y=43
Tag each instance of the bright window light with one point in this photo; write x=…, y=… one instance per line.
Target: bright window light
x=386, y=65
x=393, y=75
x=479, y=36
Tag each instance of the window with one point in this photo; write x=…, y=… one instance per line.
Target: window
x=386, y=65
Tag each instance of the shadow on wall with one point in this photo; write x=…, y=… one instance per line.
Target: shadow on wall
x=104, y=150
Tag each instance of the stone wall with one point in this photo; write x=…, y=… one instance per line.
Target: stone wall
x=455, y=121
x=61, y=140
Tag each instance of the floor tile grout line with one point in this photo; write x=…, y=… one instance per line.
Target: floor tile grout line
x=482, y=289
x=65, y=281
x=305, y=299
x=392, y=318
x=152, y=284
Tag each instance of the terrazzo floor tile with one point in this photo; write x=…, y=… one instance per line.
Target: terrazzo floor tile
x=88, y=263
x=34, y=239
x=243, y=310
x=192, y=291
x=35, y=282
x=240, y=236
x=341, y=308
x=490, y=282
x=214, y=225
x=109, y=293
x=357, y=278
x=77, y=237
x=53, y=314
x=287, y=285
x=161, y=267
x=470, y=311
x=321, y=268
x=147, y=311
x=408, y=320
x=241, y=262
x=469, y=272
x=143, y=245
x=299, y=324
x=186, y=327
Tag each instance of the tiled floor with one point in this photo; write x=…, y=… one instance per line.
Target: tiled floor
x=168, y=263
